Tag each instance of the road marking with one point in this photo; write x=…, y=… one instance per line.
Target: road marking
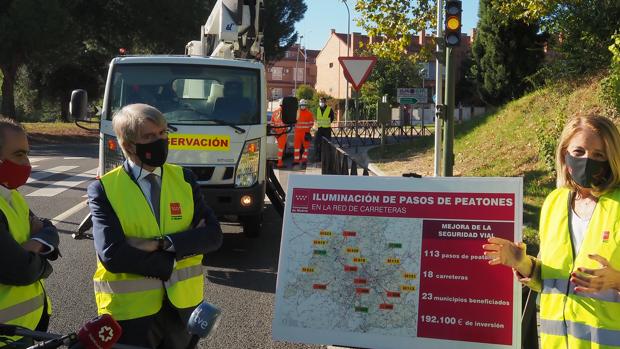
x=34, y=166
x=39, y=175
x=76, y=158
x=61, y=217
x=36, y=159
x=60, y=186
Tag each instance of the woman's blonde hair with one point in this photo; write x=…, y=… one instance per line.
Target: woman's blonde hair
x=128, y=121
x=608, y=132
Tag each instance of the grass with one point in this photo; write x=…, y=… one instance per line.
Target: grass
x=517, y=140
x=59, y=132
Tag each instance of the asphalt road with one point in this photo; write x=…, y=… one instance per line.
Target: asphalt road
x=240, y=277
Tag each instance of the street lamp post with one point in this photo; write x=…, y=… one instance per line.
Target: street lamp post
x=422, y=73
x=305, y=61
x=346, y=99
x=297, y=62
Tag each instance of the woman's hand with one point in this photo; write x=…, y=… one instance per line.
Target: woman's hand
x=596, y=280
x=508, y=253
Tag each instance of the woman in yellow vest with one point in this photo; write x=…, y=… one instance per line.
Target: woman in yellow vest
x=578, y=269
x=26, y=242
x=151, y=227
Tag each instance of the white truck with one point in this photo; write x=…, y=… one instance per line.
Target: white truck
x=215, y=103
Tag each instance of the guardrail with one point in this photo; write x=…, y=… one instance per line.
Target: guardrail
x=336, y=161
x=369, y=132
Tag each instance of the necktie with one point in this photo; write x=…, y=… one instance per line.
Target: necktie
x=155, y=194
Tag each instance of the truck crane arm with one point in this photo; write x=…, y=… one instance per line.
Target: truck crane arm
x=233, y=30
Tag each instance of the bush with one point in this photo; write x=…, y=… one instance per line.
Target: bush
x=610, y=86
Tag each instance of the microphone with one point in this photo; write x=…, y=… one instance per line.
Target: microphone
x=101, y=332
x=55, y=343
x=203, y=321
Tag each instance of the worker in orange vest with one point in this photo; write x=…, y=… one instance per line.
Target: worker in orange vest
x=280, y=131
x=305, y=121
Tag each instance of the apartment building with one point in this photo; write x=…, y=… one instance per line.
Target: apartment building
x=296, y=68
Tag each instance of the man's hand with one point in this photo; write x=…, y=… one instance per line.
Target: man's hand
x=201, y=224
x=33, y=246
x=146, y=245
x=35, y=225
x=596, y=280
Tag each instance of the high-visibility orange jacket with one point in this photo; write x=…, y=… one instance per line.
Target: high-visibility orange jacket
x=305, y=121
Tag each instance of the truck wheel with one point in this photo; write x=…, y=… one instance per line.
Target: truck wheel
x=252, y=225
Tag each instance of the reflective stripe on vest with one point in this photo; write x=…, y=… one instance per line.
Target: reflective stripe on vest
x=581, y=331
x=20, y=305
x=18, y=310
x=322, y=118
x=570, y=319
x=146, y=284
x=561, y=286
x=129, y=296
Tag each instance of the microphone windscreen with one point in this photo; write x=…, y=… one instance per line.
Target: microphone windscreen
x=101, y=332
x=204, y=320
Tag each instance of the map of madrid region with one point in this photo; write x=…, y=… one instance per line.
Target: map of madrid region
x=369, y=262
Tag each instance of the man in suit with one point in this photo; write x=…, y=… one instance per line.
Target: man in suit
x=27, y=243
x=151, y=227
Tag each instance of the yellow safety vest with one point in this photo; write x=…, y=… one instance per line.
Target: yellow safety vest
x=569, y=319
x=130, y=296
x=20, y=305
x=322, y=118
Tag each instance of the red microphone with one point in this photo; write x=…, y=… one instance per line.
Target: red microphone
x=101, y=332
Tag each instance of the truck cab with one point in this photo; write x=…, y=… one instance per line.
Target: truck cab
x=216, y=113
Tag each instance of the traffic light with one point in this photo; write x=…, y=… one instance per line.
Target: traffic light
x=453, y=23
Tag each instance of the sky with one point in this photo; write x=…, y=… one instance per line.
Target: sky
x=323, y=15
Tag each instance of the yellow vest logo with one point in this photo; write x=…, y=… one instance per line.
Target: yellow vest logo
x=199, y=142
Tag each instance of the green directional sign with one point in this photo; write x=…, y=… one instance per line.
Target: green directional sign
x=407, y=100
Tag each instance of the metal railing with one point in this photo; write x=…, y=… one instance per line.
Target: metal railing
x=370, y=132
x=335, y=161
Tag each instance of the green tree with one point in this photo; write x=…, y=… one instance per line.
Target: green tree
x=388, y=75
x=31, y=31
x=396, y=21
x=505, y=53
x=580, y=30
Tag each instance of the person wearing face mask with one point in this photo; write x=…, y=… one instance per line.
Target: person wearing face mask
x=578, y=268
x=151, y=227
x=324, y=119
x=305, y=121
x=27, y=243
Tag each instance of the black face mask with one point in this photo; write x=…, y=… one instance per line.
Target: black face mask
x=587, y=172
x=154, y=153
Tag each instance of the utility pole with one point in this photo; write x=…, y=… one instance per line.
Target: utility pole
x=438, y=90
x=454, y=9
x=297, y=63
x=346, y=98
x=447, y=160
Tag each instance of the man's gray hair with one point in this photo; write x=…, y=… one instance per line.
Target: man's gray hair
x=128, y=121
x=7, y=124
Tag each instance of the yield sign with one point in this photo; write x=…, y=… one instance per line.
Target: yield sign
x=357, y=69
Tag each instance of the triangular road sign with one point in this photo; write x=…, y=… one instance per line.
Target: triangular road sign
x=357, y=69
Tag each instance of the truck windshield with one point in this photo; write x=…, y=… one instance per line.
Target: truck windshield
x=190, y=94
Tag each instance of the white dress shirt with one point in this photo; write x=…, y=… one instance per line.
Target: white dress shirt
x=145, y=186
x=140, y=175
